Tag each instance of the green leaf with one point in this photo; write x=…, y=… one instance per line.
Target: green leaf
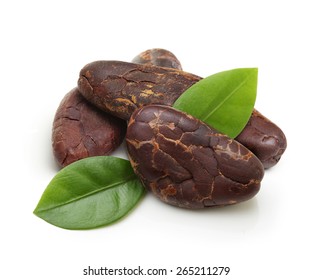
x=90, y=193
x=224, y=100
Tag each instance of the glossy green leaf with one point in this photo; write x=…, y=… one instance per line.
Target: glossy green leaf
x=90, y=193
x=224, y=100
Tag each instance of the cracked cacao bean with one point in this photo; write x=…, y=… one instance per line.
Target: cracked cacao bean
x=158, y=57
x=186, y=163
x=81, y=130
x=121, y=87
x=264, y=138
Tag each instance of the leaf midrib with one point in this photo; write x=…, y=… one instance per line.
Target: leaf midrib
x=227, y=97
x=131, y=178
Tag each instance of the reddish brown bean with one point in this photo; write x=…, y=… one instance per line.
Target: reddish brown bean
x=158, y=57
x=120, y=87
x=264, y=138
x=81, y=130
x=186, y=163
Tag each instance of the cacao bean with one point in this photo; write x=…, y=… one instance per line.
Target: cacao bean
x=81, y=130
x=158, y=57
x=120, y=87
x=264, y=138
x=186, y=163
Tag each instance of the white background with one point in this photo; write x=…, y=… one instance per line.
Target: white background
x=44, y=44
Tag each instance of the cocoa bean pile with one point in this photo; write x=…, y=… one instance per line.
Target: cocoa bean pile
x=180, y=159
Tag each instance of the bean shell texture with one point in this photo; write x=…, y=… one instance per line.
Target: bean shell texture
x=186, y=163
x=81, y=130
x=264, y=138
x=121, y=87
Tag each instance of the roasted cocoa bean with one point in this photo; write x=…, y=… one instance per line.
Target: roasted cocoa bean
x=264, y=138
x=158, y=57
x=81, y=130
x=186, y=163
x=121, y=87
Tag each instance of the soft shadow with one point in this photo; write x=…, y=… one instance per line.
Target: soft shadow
x=237, y=218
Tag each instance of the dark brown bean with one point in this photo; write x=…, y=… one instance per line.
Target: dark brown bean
x=81, y=130
x=186, y=163
x=264, y=138
x=158, y=57
x=121, y=87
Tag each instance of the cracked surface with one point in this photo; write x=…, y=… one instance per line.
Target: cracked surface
x=121, y=87
x=186, y=163
x=81, y=130
x=264, y=138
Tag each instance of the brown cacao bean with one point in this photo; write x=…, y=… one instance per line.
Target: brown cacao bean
x=121, y=87
x=158, y=57
x=186, y=163
x=264, y=138
x=81, y=130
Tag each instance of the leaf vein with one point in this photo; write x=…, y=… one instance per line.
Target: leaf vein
x=226, y=98
x=132, y=178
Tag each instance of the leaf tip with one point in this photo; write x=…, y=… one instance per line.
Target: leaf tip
x=254, y=70
x=36, y=212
